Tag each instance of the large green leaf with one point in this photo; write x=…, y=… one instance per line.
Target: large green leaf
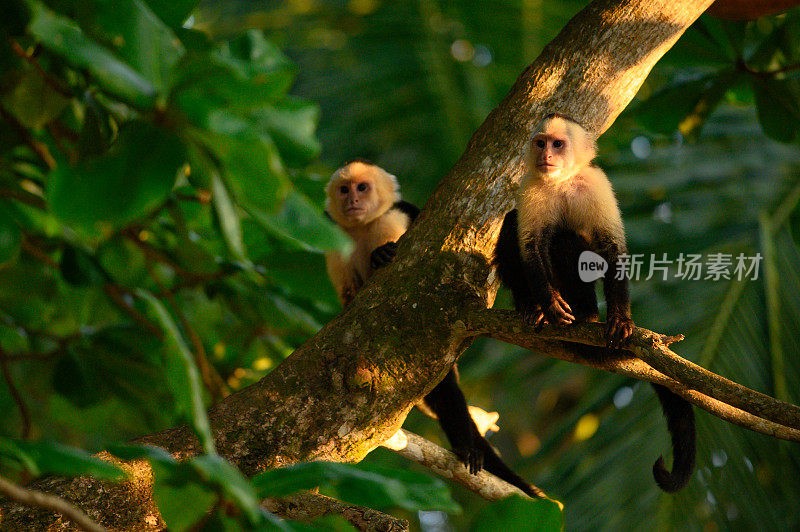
x=300, y=223
x=778, y=106
x=44, y=457
x=106, y=193
x=132, y=31
x=10, y=234
x=62, y=37
x=292, y=124
x=366, y=484
x=173, y=12
x=518, y=514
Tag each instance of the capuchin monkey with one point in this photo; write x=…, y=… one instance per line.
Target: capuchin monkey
x=565, y=207
x=364, y=200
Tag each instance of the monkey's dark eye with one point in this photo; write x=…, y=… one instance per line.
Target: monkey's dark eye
x=558, y=143
x=540, y=143
x=342, y=189
x=362, y=187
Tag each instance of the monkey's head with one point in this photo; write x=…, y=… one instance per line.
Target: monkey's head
x=359, y=192
x=559, y=148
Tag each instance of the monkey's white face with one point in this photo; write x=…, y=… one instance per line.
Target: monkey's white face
x=357, y=200
x=551, y=155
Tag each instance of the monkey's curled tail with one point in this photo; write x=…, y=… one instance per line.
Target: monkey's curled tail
x=680, y=422
x=495, y=465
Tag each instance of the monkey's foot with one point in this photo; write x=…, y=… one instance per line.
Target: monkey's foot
x=558, y=312
x=471, y=456
x=382, y=255
x=619, y=328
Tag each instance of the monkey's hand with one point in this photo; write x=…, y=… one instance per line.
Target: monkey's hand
x=533, y=315
x=619, y=328
x=558, y=311
x=471, y=456
x=382, y=255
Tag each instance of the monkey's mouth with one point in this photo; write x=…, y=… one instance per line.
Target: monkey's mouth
x=544, y=167
x=354, y=210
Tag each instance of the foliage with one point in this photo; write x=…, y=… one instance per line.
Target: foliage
x=161, y=233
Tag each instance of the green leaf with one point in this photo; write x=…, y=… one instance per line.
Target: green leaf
x=134, y=33
x=519, y=514
x=79, y=268
x=368, y=485
x=253, y=167
x=173, y=12
x=228, y=218
x=292, y=125
x=32, y=100
x=684, y=106
x=777, y=107
x=183, y=499
x=62, y=37
x=219, y=472
x=135, y=452
x=182, y=374
x=44, y=457
x=303, y=225
x=10, y=235
x=100, y=195
x=16, y=16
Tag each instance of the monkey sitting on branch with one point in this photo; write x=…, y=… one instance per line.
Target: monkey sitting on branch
x=364, y=200
x=565, y=209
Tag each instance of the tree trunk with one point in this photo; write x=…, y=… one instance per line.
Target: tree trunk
x=349, y=387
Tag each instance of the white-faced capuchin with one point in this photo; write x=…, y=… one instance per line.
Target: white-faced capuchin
x=364, y=200
x=565, y=206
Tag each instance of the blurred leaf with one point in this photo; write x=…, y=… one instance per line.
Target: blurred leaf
x=173, y=12
x=182, y=374
x=64, y=38
x=363, y=484
x=228, y=219
x=53, y=458
x=302, y=224
x=777, y=106
x=132, y=31
x=135, y=176
x=183, y=499
x=219, y=472
x=10, y=234
x=135, y=452
x=32, y=100
x=518, y=514
x=684, y=106
x=292, y=124
x=79, y=268
x=16, y=16
x=251, y=161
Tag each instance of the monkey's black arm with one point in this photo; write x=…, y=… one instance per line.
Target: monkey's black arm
x=383, y=255
x=618, y=317
x=555, y=308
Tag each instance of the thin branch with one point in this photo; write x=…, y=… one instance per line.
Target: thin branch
x=31, y=59
x=308, y=506
x=655, y=362
x=38, y=499
x=39, y=148
x=448, y=466
x=14, y=391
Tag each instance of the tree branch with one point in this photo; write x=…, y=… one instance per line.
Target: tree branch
x=38, y=499
x=308, y=506
x=585, y=344
x=448, y=466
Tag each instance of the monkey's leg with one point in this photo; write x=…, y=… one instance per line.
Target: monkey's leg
x=555, y=308
x=619, y=325
x=447, y=401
